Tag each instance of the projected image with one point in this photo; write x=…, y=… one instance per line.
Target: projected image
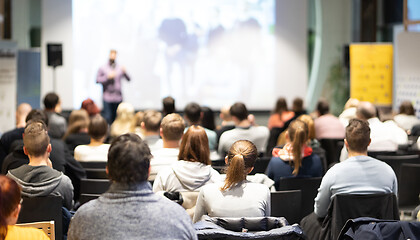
x=212, y=52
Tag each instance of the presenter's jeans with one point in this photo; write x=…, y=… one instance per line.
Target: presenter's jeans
x=110, y=111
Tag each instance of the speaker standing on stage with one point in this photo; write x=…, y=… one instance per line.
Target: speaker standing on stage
x=110, y=75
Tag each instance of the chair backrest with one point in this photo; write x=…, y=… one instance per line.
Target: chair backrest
x=260, y=165
x=96, y=173
x=47, y=227
x=332, y=148
x=396, y=161
x=409, y=185
x=94, y=186
x=94, y=164
x=286, y=204
x=322, y=155
x=349, y=206
x=39, y=209
x=309, y=188
x=85, y=197
x=190, y=200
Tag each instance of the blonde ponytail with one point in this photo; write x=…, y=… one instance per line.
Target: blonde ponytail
x=298, y=133
x=235, y=172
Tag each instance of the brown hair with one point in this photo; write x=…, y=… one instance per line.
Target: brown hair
x=297, y=105
x=358, y=135
x=407, y=108
x=310, y=123
x=36, y=138
x=298, y=134
x=195, y=146
x=172, y=127
x=98, y=127
x=78, y=120
x=9, y=200
x=241, y=157
x=281, y=105
x=152, y=120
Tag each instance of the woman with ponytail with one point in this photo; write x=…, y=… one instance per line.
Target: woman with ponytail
x=295, y=159
x=235, y=197
x=9, y=211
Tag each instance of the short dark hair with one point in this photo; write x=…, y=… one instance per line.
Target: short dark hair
x=193, y=112
x=51, y=100
x=239, y=111
x=98, y=127
x=297, y=105
x=358, y=135
x=37, y=114
x=323, y=107
x=168, y=105
x=366, y=110
x=128, y=159
x=36, y=138
x=407, y=108
x=152, y=119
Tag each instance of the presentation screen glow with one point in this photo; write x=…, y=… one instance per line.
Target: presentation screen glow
x=214, y=52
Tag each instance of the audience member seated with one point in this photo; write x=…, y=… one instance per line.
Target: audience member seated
x=349, y=111
x=57, y=123
x=137, y=129
x=151, y=129
x=384, y=136
x=208, y=120
x=10, y=205
x=8, y=137
x=193, y=169
x=168, y=106
x=124, y=121
x=235, y=197
x=171, y=130
x=243, y=131
x=312, y=141
x=406, y=119
x=359, y=174
x=194, y=116
x=77, y=131
x=295, y=158
x=38, y=178
x=129, y=209
x=280, y=114
x=96, y=150
x=226, y=124
x=327, y=126
x=91, y=108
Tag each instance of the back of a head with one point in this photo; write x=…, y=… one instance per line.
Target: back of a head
x=193, y=112
x=297, y=105
x=173, y=126
x=37, y=114
x=51, y=100
x=168, y=105
x=138, y=118
x=310, y=123
x=23, y=110
x=128, y=159
x=10, y=197
x=152, y=120
x=78, y=120
x=36, y=138
x=323, y=107
x=239, y=111
x=407, y=108
x=298, y=135
x=125, y=112
x=358, y=135
x=90, y=106
x=195, y=146
x=366, y=110
x=98, y=127
x=208, y=118
x=351, y=103
x=225, y=113
x=241, y=157
x=281, y=105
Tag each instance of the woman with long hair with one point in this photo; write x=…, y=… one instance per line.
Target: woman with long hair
x=124, y=121
x=296, y=157
x=77, y=130
x=10, y=204
x=280, y=114
x=235, y=197
x=193, y=169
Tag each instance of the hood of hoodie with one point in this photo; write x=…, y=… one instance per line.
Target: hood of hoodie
x=36, y=181
x=192, y=175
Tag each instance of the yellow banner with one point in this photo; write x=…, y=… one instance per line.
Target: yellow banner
x=371, y=73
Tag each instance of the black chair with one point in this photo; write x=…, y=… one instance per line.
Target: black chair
x=322, y=155
x=375, y=154
x=94, y=186
x=309, y=188
x=94, y=164
x=286, y=204
x=272, y=139
x=38, y=209
x=260, y=165
x=96, y=173
x=396, y=161
x=219, y=162
x=332, y=148
x=409, y=186
x=85, y=197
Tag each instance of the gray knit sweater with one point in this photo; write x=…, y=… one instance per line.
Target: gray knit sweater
x=131, y=212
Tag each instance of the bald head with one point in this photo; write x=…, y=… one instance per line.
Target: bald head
x=21, y=112
x=225, y=114
x=365, y=111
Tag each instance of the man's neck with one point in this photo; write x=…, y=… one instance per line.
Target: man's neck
x=244, y=123
x=50, y=110
x=150, y=133
x=355, y=154
x=94, y=142
x=38, y=161
x=21, y=123
x=170, y=144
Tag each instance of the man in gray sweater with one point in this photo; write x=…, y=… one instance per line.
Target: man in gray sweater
x=129, y=209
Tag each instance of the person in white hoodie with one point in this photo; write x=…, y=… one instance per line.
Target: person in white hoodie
x=192, y=170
